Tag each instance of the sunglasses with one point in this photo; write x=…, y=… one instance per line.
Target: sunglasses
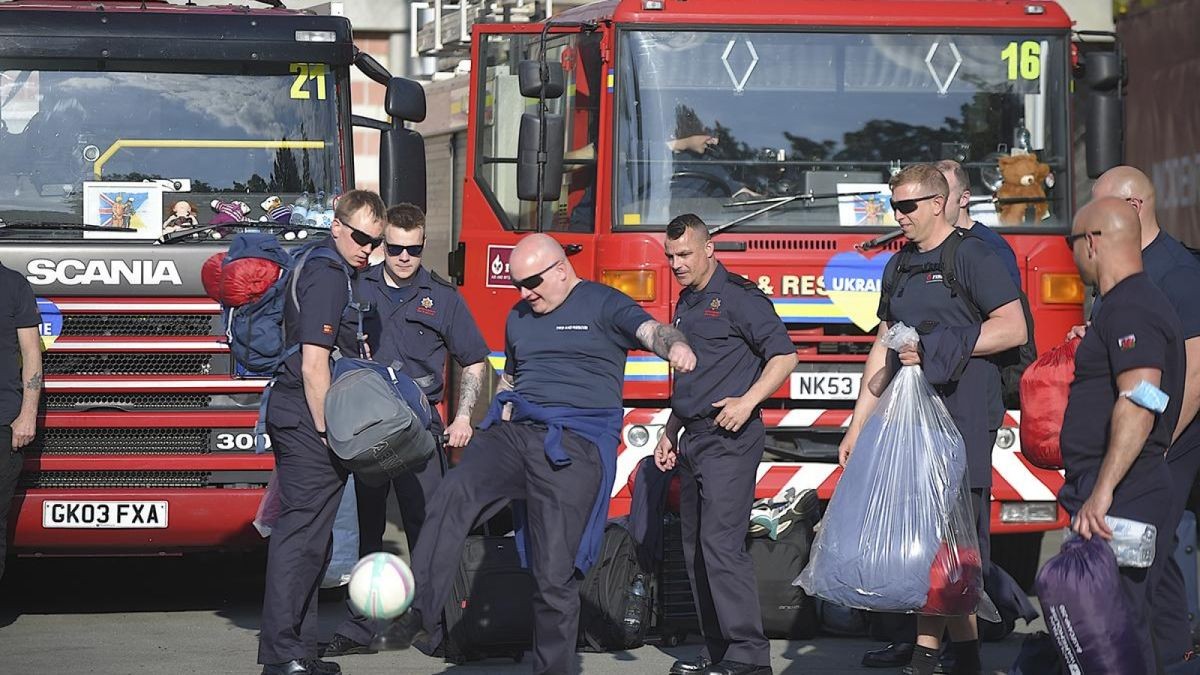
x=1072, y=238
x=534, y=280
x=907, y=206
x=414, y=251
x=362, y=238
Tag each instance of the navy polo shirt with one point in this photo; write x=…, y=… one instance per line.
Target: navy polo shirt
x=733, y=329
x=19, y=311
x=1176, y=272
x=1135, y=328
x=574, y=355
x=417, y=325
x=973, y=401
x=322, y=319
x=1000, y=247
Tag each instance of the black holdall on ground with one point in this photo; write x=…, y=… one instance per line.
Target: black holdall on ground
x=614, y=610
x=490, y=612
x=787, y=611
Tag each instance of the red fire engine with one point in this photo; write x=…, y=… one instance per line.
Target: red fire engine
x=803, y=110
x=120, y=122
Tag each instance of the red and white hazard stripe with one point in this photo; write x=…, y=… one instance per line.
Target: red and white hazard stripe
x=1013, y=477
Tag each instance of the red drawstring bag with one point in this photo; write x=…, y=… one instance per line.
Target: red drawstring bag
x=240, y=282
x=1044, y=390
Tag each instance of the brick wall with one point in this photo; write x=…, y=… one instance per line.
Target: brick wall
x=366, y=98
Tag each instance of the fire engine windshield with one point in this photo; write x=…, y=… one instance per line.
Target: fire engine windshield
x=155, y=151
x=718, y=123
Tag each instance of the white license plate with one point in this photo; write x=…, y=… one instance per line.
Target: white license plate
x=825, y=386
x=112, y=515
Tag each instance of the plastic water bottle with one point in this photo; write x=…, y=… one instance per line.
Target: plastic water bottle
x=1133, y=542
x=1022, y=139
x=636, y=606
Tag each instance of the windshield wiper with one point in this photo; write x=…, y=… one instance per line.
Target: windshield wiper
x=180, y=235
x=60, y=226
x=775, y=202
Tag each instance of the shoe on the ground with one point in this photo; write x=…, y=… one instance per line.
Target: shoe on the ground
x=895, y=655
x=293, y=667
x=771, y=518
x=302, y=667
x=341, y=645
x=737, y=668
x=401, y=633
x=694, y=667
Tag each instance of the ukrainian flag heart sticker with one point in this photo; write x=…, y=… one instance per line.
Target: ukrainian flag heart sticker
x=852, y=282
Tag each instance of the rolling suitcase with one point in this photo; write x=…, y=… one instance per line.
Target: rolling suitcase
x=675, y=608
x=490, y=612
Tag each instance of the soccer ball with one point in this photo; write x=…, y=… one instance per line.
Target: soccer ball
x=381, y=586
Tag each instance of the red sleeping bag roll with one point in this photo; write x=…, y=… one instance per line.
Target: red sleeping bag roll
x=1044, y=389
x=954, y=582
x=240, y=282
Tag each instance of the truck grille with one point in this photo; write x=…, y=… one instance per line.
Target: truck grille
x=144, y=479
x=86, y=441
x=133, y=363
x=123, y=401
x=144, y=325
x=115, y=479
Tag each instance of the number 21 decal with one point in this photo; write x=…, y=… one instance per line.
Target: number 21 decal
x=305, y=72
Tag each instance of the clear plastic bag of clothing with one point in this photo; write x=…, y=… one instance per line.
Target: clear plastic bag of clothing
x=899, y=533
x=268, y=508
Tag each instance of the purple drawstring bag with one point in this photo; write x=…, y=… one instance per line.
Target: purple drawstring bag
x=1086, y=614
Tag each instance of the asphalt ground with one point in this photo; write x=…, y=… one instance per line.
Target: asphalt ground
x=200, y=614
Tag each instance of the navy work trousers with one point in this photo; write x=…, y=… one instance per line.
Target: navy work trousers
x=10, y=471
x=413, y=492
x=1168, y=594
x=506, y=462
x=310, y=481
x=717, y=472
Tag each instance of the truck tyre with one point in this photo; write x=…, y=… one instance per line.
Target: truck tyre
x=1019, y=555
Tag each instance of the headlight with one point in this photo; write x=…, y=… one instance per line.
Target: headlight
x=1028, y=512
x=638, y=436
x=1006, y=438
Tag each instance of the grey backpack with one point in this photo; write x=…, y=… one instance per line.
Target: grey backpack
x=377, y=420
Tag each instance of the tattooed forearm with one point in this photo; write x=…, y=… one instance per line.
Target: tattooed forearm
x=34, y=383
x=472, y=382
x=659, y=337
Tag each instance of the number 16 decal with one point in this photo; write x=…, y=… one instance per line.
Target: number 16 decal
x=305, y=72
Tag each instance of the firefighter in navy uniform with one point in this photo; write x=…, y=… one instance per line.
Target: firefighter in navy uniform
x=310, y=478
x=416, y=318
x=743, y=354
x=550, y=440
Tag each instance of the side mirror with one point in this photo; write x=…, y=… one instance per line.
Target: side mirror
x=1105, y=118
x=527, y=157
x=405, y=100
x=532, y=79
x=402, y=166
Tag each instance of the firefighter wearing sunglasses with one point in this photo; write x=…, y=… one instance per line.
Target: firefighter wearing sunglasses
x=416, y=320
x=959, y=296
x=549, y=441
x=310, y=478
